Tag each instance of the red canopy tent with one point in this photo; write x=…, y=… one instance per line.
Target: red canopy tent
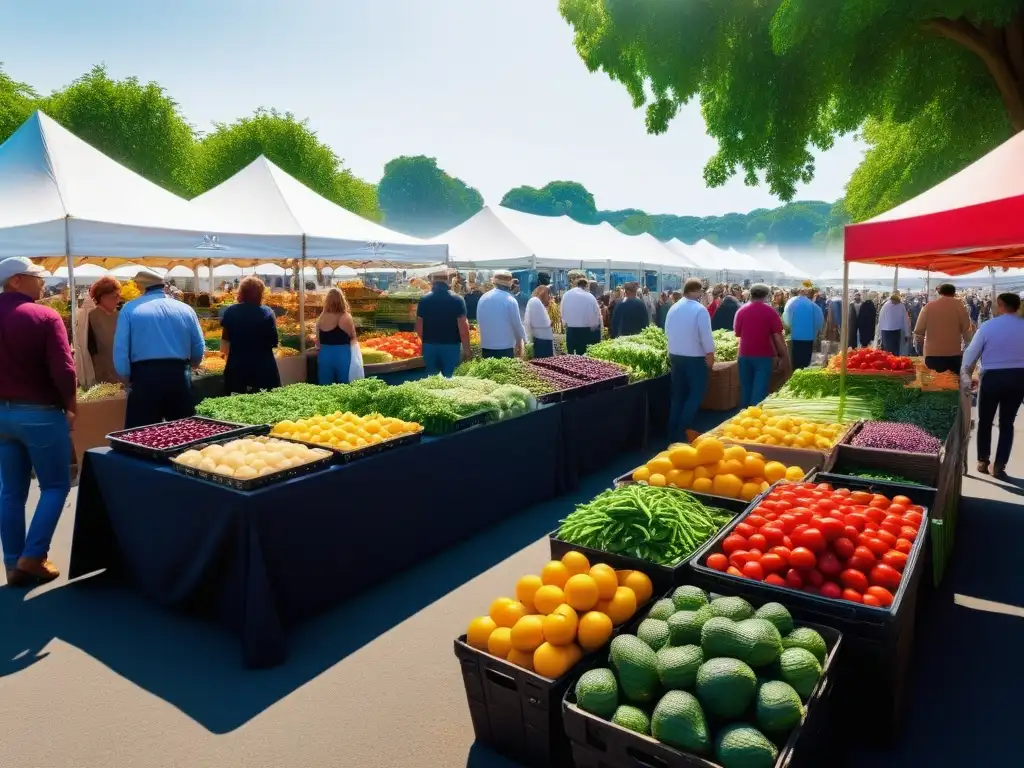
x=972, y=220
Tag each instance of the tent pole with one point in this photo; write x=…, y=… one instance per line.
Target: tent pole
x=72, y=297
x=844, y=336
x=608, y=276
x=896, y=279
x=300, y=270
x=209, y=273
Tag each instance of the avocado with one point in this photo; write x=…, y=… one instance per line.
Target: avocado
x=662, y=609
x=632, y=718
x=741, y=746
x=778, y=615
x=799, y=668
x=807, y=638
x=687, y=598
x=778, y=708
x=597, y=692
x=678, y=721
x=735, y=608
x=726, y=687
x=637, y=668
x=654, y=632
x=677, y=667
x=754, y=641
x=684, y=626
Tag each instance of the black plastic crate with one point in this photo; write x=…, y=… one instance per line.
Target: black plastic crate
x=879, y=641
x=919, y=494
x=119, y=443
x=254, y=483
x=484, y=417
x=599, y=743
x=347, y=457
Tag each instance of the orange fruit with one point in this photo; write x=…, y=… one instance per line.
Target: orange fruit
x=621, y=576
x=702, y=485
x=774, y=471
x=581, y=592
x=641, y=585
x=552, y=661
x=753, y=466
x=660, y=466
x=658, y=481
x=522, y=659
x=497, y=606
x=709, y=451
x=576, y=562
x=732, y=467
x=507, y=614
x=479, y=632
x=621, y=607
x=575, y=652
x=684, y=457
x=527, y=633
x=606, y=579
x=750, y=490
x=560, y=626
x=594, y=630
x=526, y=588
x=555, y=573
x=795, y=474
x=548, y=598
x=728, y=485
x=500, y=642
x=641, y=475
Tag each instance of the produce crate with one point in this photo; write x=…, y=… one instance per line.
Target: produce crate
x=255, y=482
x=919, y=467
x=599, y=743
x=119, y=443
x=723, y=392
x=879, y=641
x=919, y=494
x=663, y=577
x=465, y=423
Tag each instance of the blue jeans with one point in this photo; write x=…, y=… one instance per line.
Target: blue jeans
x=543, y=348
x=755, y=379
x=334, y=363
x=442, y=358
x=32, y=438
x=689, y=383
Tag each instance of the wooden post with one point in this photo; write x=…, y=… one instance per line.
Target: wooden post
x=300, y=269
x=844, y=337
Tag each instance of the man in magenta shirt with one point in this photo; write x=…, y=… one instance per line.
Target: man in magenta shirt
x=762, y=345
x=38, y=393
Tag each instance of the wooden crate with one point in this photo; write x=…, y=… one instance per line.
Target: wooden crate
x=96, y=419
x=723, y=393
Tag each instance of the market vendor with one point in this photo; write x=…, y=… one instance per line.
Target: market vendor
x=106, y=294
x=501, y=328
x=156, y=340
x=248, y=340
x=538, y=322
x=442, y=326
x=581, y=316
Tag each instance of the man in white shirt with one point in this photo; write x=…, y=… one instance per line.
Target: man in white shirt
x=581, y=317
x=538, y=322
x=497, y=314
x=893, y=324
x=691, y=352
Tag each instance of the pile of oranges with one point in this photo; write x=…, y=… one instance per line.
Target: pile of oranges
x=568, y=610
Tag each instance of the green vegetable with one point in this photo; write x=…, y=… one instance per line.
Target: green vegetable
x=509, y=370
x=829, y=410
x=661, y=525
x=885, y=477
x=643, y=360
x=727, y=345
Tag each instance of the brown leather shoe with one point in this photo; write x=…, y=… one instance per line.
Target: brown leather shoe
x=38, y=569
x=16, y=578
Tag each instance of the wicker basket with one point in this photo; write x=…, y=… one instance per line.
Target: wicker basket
x=723, y=392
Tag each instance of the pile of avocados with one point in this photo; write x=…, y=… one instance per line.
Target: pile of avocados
x=711, y=677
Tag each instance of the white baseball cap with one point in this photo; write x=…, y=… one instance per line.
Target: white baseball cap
x=18, y=265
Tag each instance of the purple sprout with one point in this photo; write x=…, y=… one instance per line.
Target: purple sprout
x=893, y=436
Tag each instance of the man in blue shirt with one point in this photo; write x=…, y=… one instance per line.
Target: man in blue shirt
x=156, y=340
x=501, y=328
x=442, y=325
x=804, y=320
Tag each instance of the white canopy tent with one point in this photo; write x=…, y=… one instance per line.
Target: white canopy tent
x=265, y=202
x=769, y=259
x=873, y=274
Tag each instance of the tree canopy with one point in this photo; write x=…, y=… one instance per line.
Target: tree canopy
x=420, y=199
x=780, y=78
x=556, y=198
x=17, y=100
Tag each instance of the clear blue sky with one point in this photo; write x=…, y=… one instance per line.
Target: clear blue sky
x=492, y=88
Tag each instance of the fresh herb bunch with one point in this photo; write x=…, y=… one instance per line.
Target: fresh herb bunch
x=508, y=370
x=727, y=345
x=643, y=361
x=885, y=477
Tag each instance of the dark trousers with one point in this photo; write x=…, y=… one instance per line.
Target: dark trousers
x=577, y=340
x=890, y=341
x=543, y=348
x=800, y=352
x=689, y=384
x=1001, y=390
x=510, y=352
x=943, y=364
x=158, y=390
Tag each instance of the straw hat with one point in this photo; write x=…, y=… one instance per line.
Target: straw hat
x=502, y=278
x=147, y=278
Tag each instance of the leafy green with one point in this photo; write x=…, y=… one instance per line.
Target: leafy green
x=643, y=359
x=727, y=345
x=505, y=370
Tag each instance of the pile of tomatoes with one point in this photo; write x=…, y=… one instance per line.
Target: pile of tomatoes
x=837, y=543
x=401, y=346
x=877, y=360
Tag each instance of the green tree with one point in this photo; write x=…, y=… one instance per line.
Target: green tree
x=136, y=124
x=637, y=224
x=17, y=100
x=778, y=78
x=556, y=198
x=420, y=199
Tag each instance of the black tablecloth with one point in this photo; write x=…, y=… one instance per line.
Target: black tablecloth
x=265, y=559
x=600, y=427
x=659, y=403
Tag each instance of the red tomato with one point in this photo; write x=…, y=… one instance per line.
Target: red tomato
x=755, y=520
x=857, y=520
x=860, y=563
x=758, y=541
x=772, y=534
x=870, y=526
x=802, y=558
x=789, y=522
x=854, y=580
x=772, y=563
x=902, y=501
x=871, y=600
x=881, y=594
x=739, y=557
x=831, y=528
x=850, y=532
x=914, y=518
x=897, y=509
x=787, y=542
x=782, y=552
x=885, y=576
x=829, y=564
x=904, y=546
x=770, y=516
x=746, y=530
x=887, y=537
x=734, y=571
x=843, y=547
x=718, y=561
x=894, y=559
x=831, y=589
x=733, y=543
x=842, y=492
x=827, y=504
x=892, y=528
x=906, y=532
x=864, y=553
x=813, y=577
x=754, y=554
x=753, y=570
x=794, y=579
x=875, y=515
x=811, y=538
x=877, y=546
x=852, y=595
x=775, y=580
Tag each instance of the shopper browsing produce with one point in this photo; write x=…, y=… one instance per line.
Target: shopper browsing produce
x=156, y=340
x=762, y=346
x=804, y=320
x=943, y=327
x=581, y=316
x=630, y=315
x=999, y=347
x=501, y=327
x=538, y=322
x=101, y=326
x=442, y=326
x=248, y=340
x=893, y=324
x=691, y=353
x=335, y=338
